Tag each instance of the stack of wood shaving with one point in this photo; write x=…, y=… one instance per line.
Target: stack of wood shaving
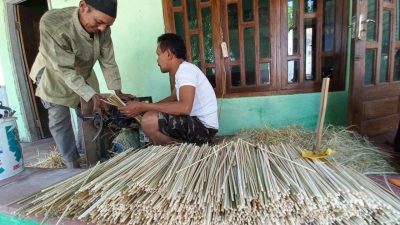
x=235, y=182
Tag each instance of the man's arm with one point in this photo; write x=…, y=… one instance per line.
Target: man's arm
x=181, y=107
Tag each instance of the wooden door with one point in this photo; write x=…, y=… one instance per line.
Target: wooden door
x=28, y=17
x=375, y=78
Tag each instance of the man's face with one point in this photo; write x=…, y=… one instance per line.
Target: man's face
x=92, y=20
x=162, y=59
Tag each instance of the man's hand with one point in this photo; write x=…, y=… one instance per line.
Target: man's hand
x=97, y=103
x=123, y=96
x=133, y=108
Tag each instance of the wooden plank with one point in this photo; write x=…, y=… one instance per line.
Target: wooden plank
x=380, y=108
x=322, y=111
x=380, y=125
x=92, y=150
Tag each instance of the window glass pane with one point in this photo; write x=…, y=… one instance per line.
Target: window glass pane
x=371, y=29
x=293, y=31
x=396, y=75
x=384, y=75
x=293, y=71
x=369, y=67
x=207, y=32
x=310, y=6
x=247, y=8
x=398, y=20
x=264, y=21
x=210, y=73
x=177, y=2
x=265, y=73
x=248, y=35
x=310, y=47
x=235, y=76
x=329, y=25
x=328, y=67
x=195, y=50
x=234, y=50
x=180, y=30
x=192, y=13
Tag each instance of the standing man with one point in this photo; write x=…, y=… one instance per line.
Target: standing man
x=71, y=41
x=190, y=113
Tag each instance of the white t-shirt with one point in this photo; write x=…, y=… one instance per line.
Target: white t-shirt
x=205, y=101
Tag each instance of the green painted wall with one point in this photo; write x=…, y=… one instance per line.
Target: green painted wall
x=134, y=34
x=277, y=111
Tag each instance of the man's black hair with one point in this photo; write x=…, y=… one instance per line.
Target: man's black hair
x=174, y=43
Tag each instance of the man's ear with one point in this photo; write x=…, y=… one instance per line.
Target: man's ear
x=82, y=6
x=170, y=55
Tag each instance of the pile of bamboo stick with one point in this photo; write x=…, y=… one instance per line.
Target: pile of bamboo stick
x=235, y=182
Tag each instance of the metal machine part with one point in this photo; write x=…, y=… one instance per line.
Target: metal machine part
x=113, y=118
x=7, y=111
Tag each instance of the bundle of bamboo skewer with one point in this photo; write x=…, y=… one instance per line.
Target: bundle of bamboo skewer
x=235, y=182
x=114, y=100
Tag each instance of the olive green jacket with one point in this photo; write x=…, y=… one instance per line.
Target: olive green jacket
x=67, y=55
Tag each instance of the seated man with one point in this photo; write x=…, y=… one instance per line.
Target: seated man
x=190, y=113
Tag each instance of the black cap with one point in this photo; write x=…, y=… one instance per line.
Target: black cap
x=108, y=7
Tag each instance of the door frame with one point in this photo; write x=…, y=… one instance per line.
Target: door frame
x=19, y=72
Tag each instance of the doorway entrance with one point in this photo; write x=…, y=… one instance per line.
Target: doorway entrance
x=28, y=14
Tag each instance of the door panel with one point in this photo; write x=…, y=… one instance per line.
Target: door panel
x=380, y=108
x=374, y=87
x=379, y=126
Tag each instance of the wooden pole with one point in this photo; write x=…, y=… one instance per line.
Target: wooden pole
x=322, y=111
